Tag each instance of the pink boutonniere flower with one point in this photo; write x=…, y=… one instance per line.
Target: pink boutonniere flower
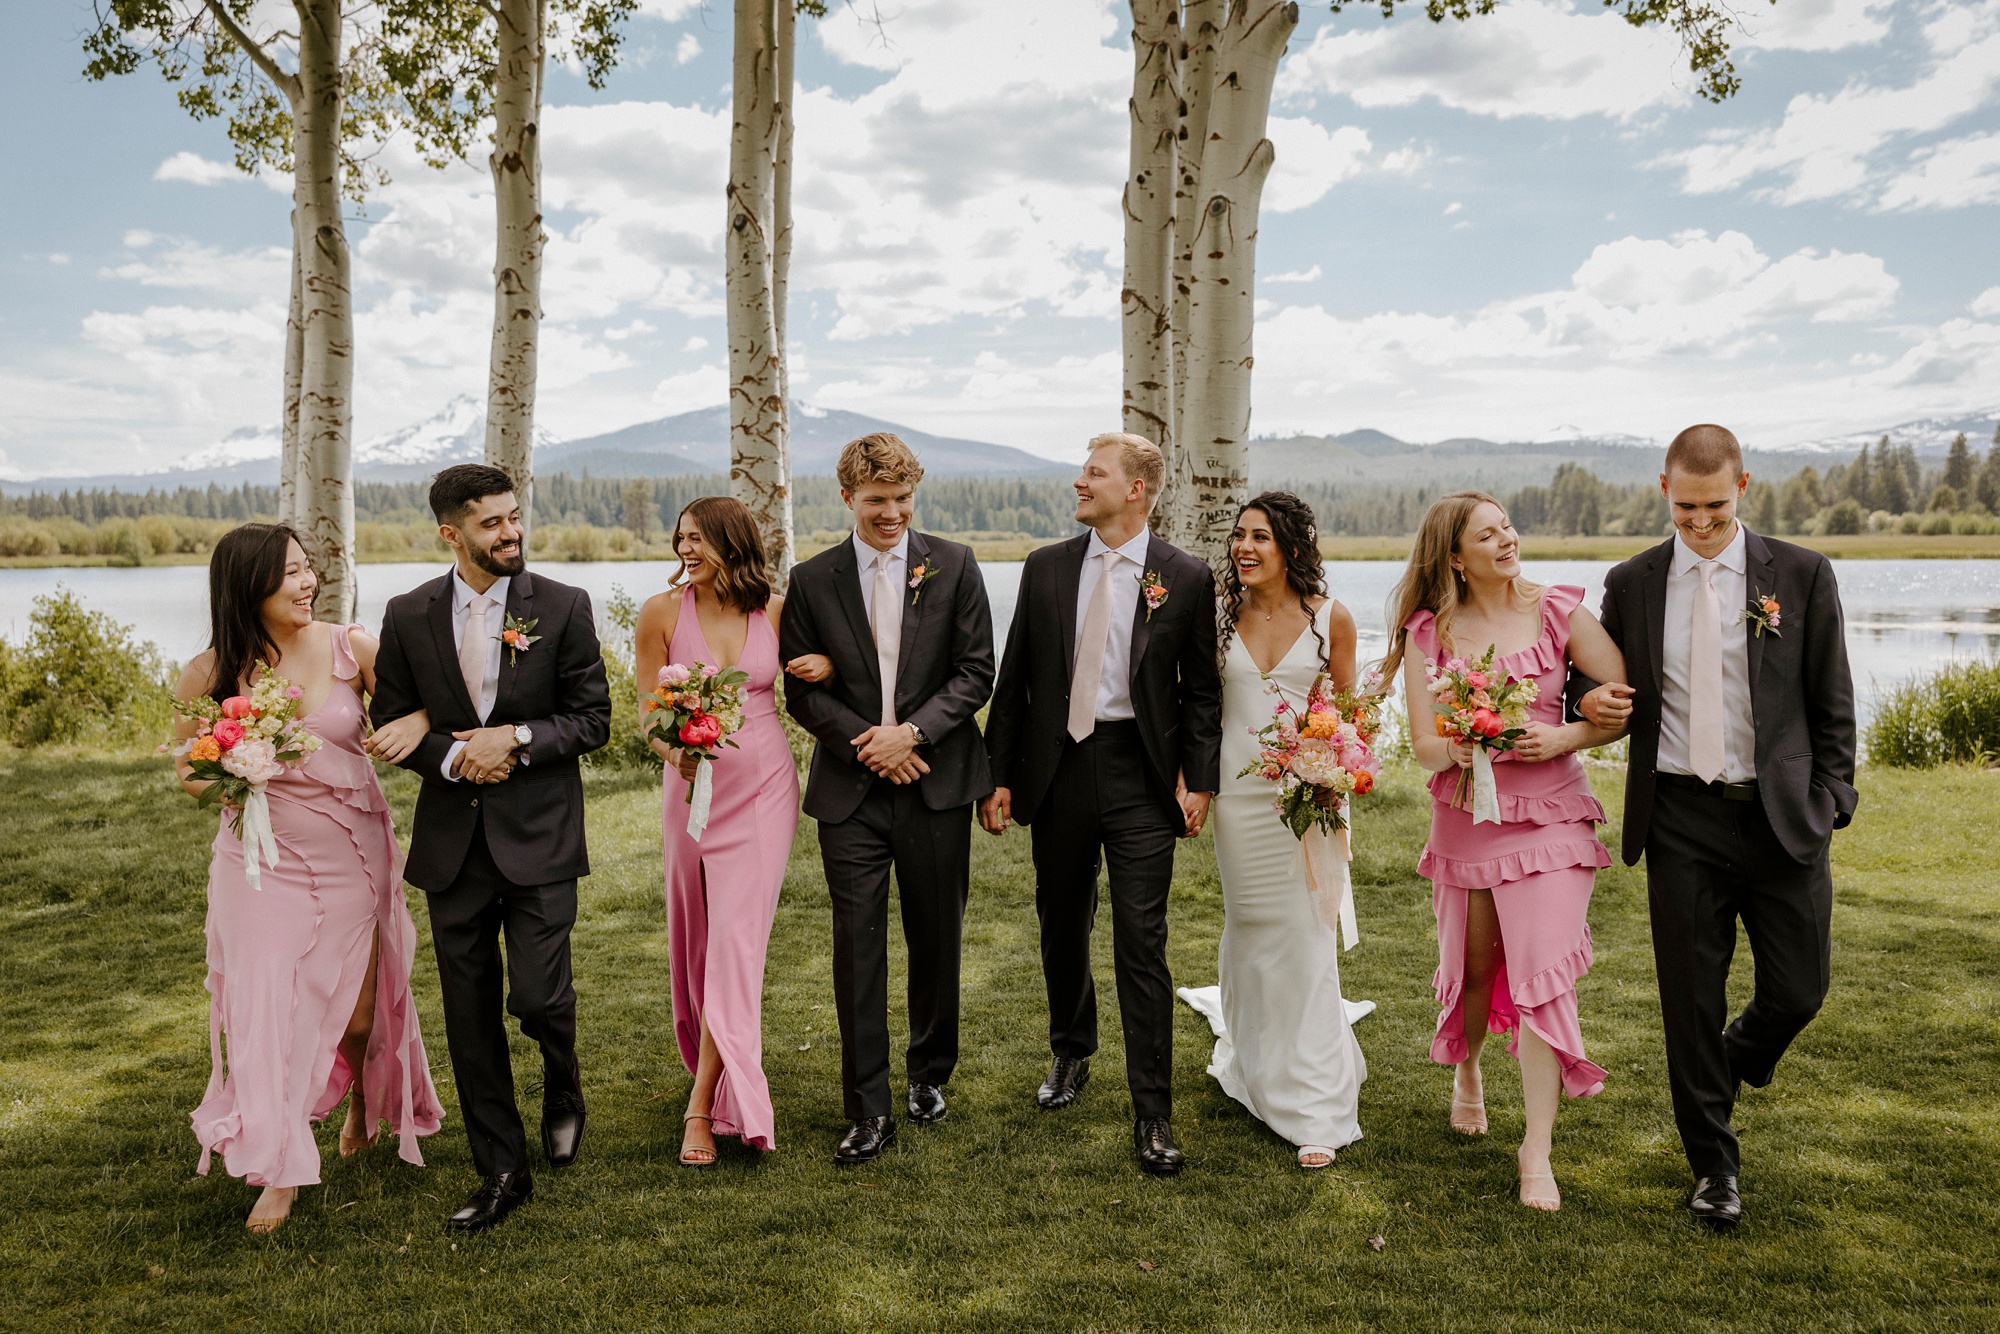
x=1155, y=592
x=919, y=576
x=1764, y=613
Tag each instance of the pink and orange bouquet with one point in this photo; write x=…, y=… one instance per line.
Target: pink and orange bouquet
x=245, y=741
x=1480, y=706
x=1321, y=755
x=697, y=708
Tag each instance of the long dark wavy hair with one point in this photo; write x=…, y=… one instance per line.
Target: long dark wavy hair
x=247, y=566
x=742, y=571
x=1296, y=531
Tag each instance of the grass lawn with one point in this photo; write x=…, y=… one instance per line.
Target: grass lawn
x=1872, y=1177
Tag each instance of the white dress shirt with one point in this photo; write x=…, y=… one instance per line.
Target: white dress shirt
x=1739, y=747
x=496, y=616
x=1114, y=683
x=898, y=562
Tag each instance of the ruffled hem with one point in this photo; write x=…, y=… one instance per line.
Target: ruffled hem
x=1556, y=855
x=1564, y=808
x=349, y=777
x=1557, y=979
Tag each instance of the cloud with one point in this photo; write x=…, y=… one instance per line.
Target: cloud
x=1311, y=275
x=153, y=260
x=1987, y=302
x=1527, y=58
x=1952, y=174
x=1310, y=161
x=687, y=49
x=195, y=170
x=1813, y=25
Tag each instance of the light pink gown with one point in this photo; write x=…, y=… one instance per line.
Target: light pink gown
x=722, y=893
x=286, y=964
x=1540, y=862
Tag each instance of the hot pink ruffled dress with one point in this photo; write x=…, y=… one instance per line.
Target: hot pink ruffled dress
x=1540, y=862
x=286, y=964
x=722, y=893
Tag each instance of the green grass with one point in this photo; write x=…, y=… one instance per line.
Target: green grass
x=1871, y=1169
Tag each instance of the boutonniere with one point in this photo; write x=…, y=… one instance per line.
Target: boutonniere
x=919, y=576
x=1155, y=591
x=518, y=636
x=1764, y=613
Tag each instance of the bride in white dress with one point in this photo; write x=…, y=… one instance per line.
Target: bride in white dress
x=1284, y=1038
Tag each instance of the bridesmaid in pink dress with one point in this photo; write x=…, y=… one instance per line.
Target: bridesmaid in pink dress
x=1511, y=899
x=309, y=976
x=722, y=892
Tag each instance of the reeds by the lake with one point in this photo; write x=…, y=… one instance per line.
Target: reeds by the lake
x=1952, y=717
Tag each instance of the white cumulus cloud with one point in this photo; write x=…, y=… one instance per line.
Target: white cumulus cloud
x=195, y=170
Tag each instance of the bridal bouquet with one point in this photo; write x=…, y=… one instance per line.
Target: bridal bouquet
x=239, y=746
x=698, y=708
x=1488, y=711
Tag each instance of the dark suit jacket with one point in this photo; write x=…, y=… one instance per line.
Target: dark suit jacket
x=534, y=818
x=1801, y=694
x=944, y=673
x=1176, y=687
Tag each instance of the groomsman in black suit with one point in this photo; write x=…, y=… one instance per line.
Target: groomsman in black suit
x=1741, y=716
x=896, y=769
x=1105, y=739
x=507, y=665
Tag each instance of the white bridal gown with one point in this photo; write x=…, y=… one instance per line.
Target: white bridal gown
x=1284, y=1038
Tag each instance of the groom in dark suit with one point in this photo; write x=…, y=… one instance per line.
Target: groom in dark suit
x=1106, y=739
x=1741, y=717
x=896, y=769
x=507, y=665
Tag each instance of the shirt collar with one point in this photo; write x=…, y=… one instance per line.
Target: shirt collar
x=462, y=594
x=1134, y=550
x=1733, y=557
x=867, y=554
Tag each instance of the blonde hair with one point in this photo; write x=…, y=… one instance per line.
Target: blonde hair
x=1139, y=458
x=1429, y=582
x=880, y=457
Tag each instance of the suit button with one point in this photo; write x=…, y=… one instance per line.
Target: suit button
x=475, y=801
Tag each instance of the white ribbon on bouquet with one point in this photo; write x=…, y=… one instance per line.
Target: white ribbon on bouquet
x=1485, y=797
x=260, y=841
x=703, y=795
x=1332, y=893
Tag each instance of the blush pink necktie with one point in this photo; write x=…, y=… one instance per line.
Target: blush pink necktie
x=1705, y=729
x=472, y=650
x=1089, y=668
x=886, y=620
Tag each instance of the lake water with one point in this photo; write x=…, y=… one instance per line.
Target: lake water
x=1904, y=617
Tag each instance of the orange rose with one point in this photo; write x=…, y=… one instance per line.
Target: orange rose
x=511, y=638
x=1364, y=783
x=1443, y=725
x=205, y=748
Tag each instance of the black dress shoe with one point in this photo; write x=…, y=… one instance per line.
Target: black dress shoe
x=499, y=1195
x=870, y=1135
x=926, y=1104
x=1066, y=1080
x=563, y=1118
x=1158, y=1154
x=1716, y=1202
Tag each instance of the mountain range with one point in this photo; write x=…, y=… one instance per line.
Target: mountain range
x=697, y=443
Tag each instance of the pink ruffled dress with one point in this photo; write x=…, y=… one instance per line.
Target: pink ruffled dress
x=1540, y=862
x=286, y=964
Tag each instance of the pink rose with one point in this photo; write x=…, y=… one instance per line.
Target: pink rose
x=1486, y=723
x=1454, y=664
x=293, y=692
x=701, y=731
x=674, y=674
x=228, y=732
x=1478, y=680
x=236, y=706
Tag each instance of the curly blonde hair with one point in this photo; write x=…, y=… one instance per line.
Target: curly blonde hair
x=880, y=457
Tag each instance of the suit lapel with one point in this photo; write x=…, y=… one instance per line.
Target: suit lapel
x=1157, y=553
x=916, y=554
x=520, y=606
x=847, y=588
x=1654, y=587
x=1761, y=574
x=447, y=648
x=1069, y=570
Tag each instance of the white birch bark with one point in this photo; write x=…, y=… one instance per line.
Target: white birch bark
x=781, y=213
x=1236, y=158
x=516, y=162
x=1147, y=299
x=759, y=463
x=1201, y=29
x=325, y=496
x=288, y=419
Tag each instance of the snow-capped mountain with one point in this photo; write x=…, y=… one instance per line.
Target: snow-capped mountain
x=1576, y=435
x=455, y=433
x=1930, y=435
x=245, y=444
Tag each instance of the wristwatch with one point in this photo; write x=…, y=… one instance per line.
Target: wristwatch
x=917, y=733
x=523, y=734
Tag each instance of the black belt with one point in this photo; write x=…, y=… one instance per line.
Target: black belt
x=1743, y=791
x=1114, y=728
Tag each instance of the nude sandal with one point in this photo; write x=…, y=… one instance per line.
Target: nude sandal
x=1314, y=1157
x=698, y=1157
x=1548, y=1204
x=1468, y=1118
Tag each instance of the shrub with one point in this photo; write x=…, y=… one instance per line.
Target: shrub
x=119, y=539
x=580, y=542
x=156, y=531
x=625, y=750
x=80, y=677
x=1937, y=524
x=1842, y=520
x=1969, y=524
x=620, y=540
x=1952, y=717
x=72, y=538
x=1910, y=524
x=25, y=537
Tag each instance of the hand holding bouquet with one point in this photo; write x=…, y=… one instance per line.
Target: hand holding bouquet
x=697, y=709
x=239, y=746
x=1485, y=709
x=1319, y=755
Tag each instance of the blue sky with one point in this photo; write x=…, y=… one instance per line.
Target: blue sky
x=1506, y=228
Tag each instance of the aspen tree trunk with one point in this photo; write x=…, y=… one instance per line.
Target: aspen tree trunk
x=1147, y=301
x=781, y=213
x=759, y=463
x=1215, y=430
x=326, y=367
x=288, y=420
x=516, y=163
x=1201, y=29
